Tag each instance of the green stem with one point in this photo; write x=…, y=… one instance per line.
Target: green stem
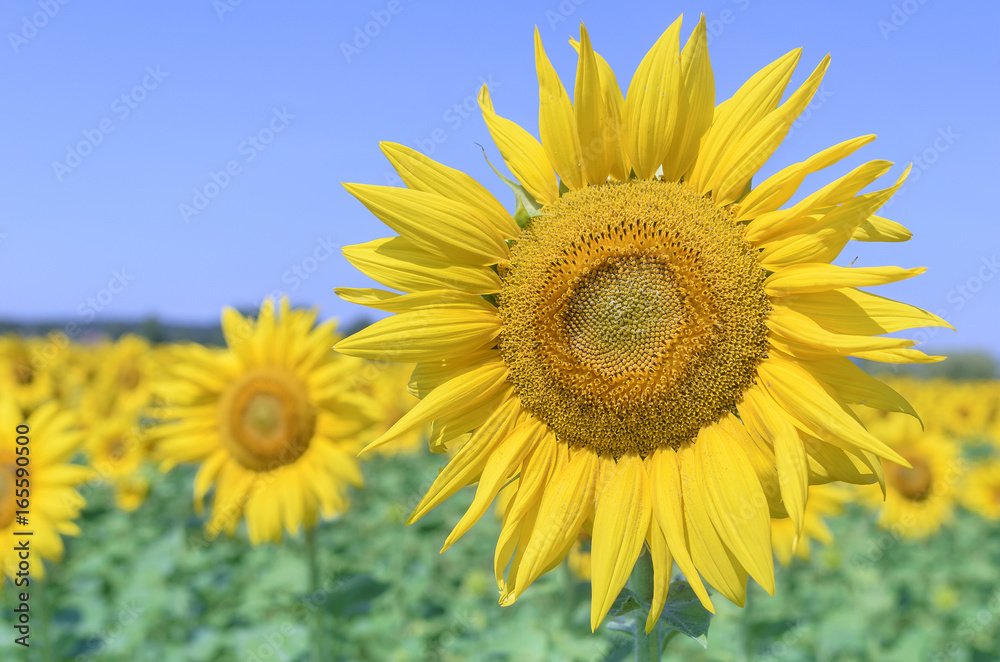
x=569, y=593
x=45, y=616
x=647, y=648
x=318, y=633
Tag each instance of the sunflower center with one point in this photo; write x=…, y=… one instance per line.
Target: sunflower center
x=7, y=505
x=24, y=374
x=266, y=420
x=633, y=315
x=913, y=484
x=128, y=376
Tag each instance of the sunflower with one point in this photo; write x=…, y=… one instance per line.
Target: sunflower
x=921, y=496
x=51, y=482
x=271, y=420
x=981, y=492
x=25, y=372
x=822, y=501
x=117, y=449
x=655, y=346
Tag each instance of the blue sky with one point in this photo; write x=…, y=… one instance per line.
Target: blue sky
x=173, y=158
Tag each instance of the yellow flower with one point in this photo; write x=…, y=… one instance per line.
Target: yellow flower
x=981, y=493
x=920, y=498
x=25, y=372
x=271, y=420
x=823, y=501
x=655, y=345
x=47, y=481
x=117, y=448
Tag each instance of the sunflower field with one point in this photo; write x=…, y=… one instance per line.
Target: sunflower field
x=141, y=574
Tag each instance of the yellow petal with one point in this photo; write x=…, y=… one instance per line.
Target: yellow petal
x=566, y=503
x=468, y=462
x=394, y=302
x=696, y=105
x=423, y=335
x=852, y=384
x=735, y=117
x=777, y=189
x=667, y=499
x=614, y=109
x=651, y=104
x=620, y=526
x=742, y=161
x=452, y=398
x=397, y=263
x=715, y=560
x=818, y=277
x=877, y=228
x=424, y=174
x=814, y=411
x=557, y=122
x=597, y=140
x=662, y=567
x=735, y=502
x=851, y=311
x=443, y=228
x=524, y=155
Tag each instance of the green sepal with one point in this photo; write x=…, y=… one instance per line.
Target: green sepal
x=527, y=206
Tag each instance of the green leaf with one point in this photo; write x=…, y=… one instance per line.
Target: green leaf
x=355, y=593
x=684, y=613
x=527, y=207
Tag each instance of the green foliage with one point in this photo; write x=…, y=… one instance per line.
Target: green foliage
x=148, y=586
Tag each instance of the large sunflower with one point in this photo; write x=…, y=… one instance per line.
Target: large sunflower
x=271, y=420
x=655, y=347
x=47, y=482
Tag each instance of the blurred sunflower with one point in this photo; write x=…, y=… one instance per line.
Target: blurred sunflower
x=53, y=500
x=981, y=491
x=271, y=420
x=823, y=501
x=117, y=448
x=651, y=342
x=388, y=388
x=25, y=372
x=920, y=497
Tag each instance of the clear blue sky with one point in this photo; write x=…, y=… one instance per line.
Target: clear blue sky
x=164, y=96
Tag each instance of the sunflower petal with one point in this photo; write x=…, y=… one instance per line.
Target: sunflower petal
x=620, y=526
x=422, y=173
x=651, y=103
x=444, y=228
x=524, y=155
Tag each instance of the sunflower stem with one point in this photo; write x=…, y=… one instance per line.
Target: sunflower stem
x=647, y=647
x=569, y=594
x=318, y=635
x=46, y=619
